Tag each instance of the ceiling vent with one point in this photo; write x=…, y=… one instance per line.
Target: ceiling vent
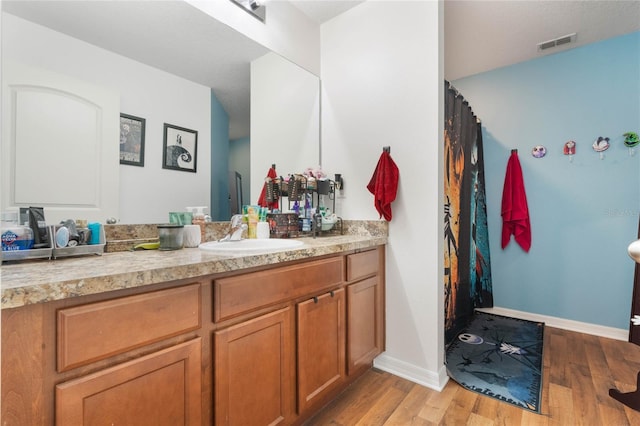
x=569, y=38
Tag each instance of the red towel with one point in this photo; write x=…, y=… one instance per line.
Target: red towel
x=515, y=213
x=384, y=185
x=262, y=199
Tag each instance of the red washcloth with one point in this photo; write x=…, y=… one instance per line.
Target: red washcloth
x=515, y=212
x=384, y=184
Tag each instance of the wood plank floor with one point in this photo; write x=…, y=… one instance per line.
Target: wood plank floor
x=579, y=369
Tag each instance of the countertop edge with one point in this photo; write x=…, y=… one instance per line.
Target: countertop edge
x=62, y=279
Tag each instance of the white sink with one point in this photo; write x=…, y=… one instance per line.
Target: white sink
x=250, y=246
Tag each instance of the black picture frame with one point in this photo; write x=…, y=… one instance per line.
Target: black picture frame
x=179, y=148
x=132, y=133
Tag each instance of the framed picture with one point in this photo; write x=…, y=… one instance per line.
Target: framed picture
x=179, y=148
x=132, y=140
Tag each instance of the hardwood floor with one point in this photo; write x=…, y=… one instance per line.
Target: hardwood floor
x=579, y=369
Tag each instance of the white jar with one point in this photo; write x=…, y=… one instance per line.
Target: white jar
x=262, y=231
x=192, y=236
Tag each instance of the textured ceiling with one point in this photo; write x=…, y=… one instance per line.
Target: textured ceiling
x=483, y=35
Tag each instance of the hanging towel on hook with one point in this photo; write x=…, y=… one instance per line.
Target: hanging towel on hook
x=262, y=199
x=515, y=212
x=384, y=185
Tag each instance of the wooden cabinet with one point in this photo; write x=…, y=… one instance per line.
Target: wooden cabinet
x=321, y=347
x=162, y=388
x=129, y=360
x=265, y=347
x=364, y=332
x=254, y=371
x=365, y=309
x=266, y=365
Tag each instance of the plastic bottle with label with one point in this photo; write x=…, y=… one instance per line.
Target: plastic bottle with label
x=15, y=236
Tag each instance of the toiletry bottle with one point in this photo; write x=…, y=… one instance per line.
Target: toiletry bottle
x=253, y=217
x=307, y=207
x=15, y=236
x=199, y=219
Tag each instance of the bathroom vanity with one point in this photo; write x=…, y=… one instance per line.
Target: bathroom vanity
x=189, y=337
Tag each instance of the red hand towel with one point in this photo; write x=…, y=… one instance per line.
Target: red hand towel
x=384, y=185
x=515, y=212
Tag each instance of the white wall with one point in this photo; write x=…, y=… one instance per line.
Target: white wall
x=286, y=30
x=147, y=193
x=285, y=117
x=382, y=86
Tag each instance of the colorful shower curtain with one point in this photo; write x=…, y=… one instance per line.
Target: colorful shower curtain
x=467, y=264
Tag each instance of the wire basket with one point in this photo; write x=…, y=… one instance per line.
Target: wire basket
x=295, y=189
x=273, y=191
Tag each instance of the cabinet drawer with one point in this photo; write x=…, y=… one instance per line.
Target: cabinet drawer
x=96, y=331
x=240, y=294
x=363, y=264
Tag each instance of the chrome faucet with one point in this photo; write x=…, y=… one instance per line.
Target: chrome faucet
x=235, y=229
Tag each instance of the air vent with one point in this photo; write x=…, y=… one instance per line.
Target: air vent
x=569, y=38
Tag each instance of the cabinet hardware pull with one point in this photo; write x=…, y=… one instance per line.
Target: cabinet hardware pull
x=315, y=299
x=331, y=293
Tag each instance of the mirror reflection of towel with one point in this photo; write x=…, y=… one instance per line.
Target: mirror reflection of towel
x=262, y=199
x=384, y=185
x=515, y=212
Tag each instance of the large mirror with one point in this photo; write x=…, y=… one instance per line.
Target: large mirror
x=169, y=63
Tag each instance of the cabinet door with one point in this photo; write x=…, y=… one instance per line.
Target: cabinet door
x=321, y=347
x=163, y=388
x=365, y=323
x=254, y=371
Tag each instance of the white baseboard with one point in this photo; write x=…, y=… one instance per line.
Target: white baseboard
x=565, y=324
x=421, y=376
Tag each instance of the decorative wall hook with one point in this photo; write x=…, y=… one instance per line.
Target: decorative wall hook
x=600, y=145
x=630, y=141
x=539, y=151
x=569, y=149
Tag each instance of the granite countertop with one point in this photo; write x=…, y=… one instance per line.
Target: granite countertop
x=47, y=280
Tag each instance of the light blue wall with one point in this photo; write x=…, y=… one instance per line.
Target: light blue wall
x=240, y=161
x=219, y=161
x=583, y=213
